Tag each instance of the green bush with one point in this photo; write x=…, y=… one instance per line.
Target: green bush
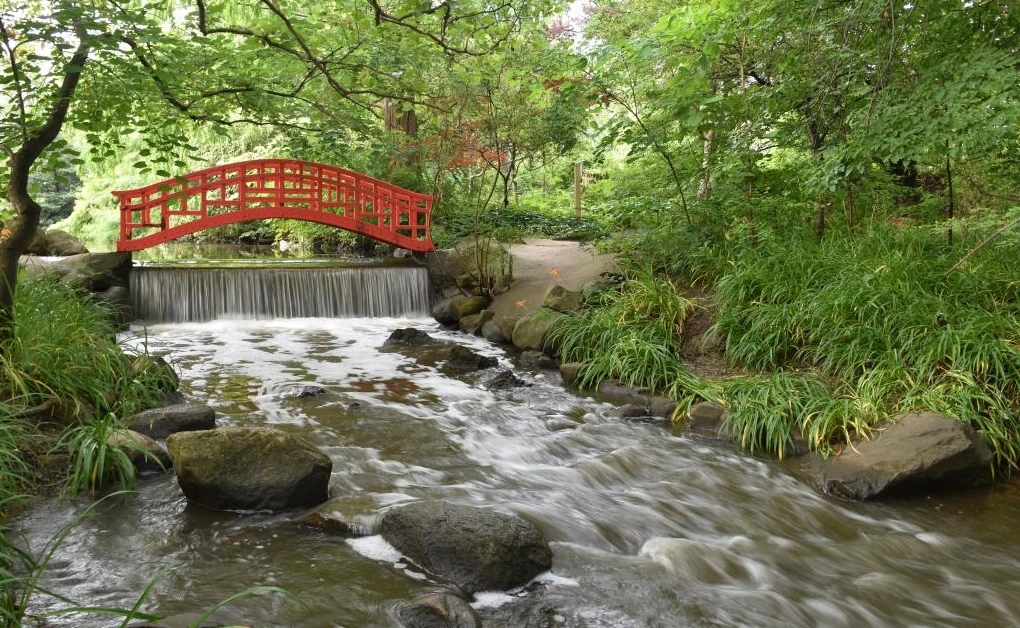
x=513, y=223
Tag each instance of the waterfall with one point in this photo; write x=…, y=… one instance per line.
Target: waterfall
x=172, y=295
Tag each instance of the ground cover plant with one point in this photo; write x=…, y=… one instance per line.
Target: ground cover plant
x=66, y=386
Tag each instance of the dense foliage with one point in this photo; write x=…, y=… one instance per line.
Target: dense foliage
x=830, y=183
x=65, y=387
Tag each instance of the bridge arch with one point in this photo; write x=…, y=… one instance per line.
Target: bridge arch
x=273, y=188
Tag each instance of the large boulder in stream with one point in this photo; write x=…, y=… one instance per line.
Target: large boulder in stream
x=162, y=422
x=918, y=453
x=473, y=548
x=249, y=468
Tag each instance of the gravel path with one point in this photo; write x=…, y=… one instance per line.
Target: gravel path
x=539, y=264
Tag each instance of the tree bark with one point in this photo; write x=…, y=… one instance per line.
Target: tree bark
x=705, y=188
x=27, y=209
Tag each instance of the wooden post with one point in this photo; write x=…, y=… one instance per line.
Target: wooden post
x=577, y=189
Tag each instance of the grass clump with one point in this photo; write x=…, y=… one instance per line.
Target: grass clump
x=65, y=387
x=631, y=332
x=884, y=329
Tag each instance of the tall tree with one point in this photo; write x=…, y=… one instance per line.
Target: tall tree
x=113, y=67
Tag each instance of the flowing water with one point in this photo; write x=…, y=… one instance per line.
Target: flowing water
x=649, y=527
x=164, y=295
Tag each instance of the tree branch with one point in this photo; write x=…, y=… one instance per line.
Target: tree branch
x=998, y=232
x=15, y=74
x=402, y=21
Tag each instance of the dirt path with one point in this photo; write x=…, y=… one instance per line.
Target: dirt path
x=539, y=264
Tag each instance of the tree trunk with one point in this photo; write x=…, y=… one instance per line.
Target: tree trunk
x=27, y=221
x=705, y=188
x=22, y=230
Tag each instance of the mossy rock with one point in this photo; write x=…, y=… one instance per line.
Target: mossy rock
x=530, y=332
x=249, y=468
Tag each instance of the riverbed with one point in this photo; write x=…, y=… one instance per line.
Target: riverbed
x=649, y=527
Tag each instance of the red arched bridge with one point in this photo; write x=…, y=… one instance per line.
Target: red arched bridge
x=273, y=188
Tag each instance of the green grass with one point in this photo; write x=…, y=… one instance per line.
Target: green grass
x=64, y=353
x=632, y=333
x=836, y=337
x=877, y=318
x=513, y=223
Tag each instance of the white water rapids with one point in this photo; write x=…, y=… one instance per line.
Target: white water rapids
x=649, y=527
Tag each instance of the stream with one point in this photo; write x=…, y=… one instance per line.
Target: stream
x=649, y=527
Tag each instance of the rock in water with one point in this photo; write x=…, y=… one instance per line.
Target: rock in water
x=438, y=610
x=461, y=358
x=162, y=422
x=919, y=452
x=145, y=454
x=474, y=548
x=409, y=336
x=504, y=380
x=306, y=391
x=492, y=332
x=249, y=468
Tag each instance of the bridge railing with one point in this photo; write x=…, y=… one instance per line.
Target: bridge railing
x=274, y=188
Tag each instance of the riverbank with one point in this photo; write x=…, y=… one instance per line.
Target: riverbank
x=65, y=387
x=830, y=389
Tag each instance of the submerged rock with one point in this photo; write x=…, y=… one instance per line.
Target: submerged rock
x=439, y=610
x=504, y=380
x=184, y=620
x=249, y=468
x=629, y=411
x=162, y=422
x=475, y=548
x=409, y=337
x=460, y=358
x=537, y=359
x=306, y=391
x=920, y=452
x=328, y=518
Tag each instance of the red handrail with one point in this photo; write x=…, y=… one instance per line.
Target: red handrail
x=273, y=188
